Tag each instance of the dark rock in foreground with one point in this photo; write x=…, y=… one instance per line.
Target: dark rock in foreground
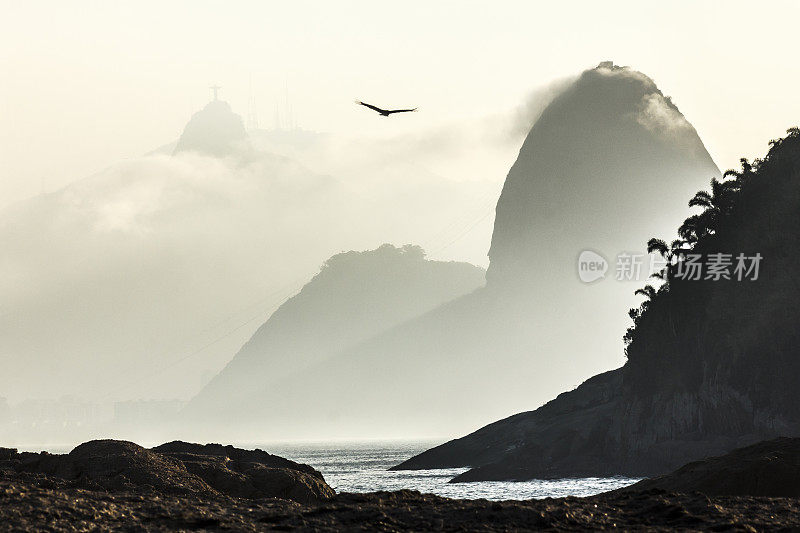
x=770, y=468
x=31, y=506
x=113, y=485
x=176, y=468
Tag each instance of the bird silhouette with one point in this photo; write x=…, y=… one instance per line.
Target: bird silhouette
x=385, y=112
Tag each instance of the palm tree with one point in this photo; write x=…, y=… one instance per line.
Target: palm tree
x=748, y=169
x=676, y=248
x=717, y=204
x=669, y=252
x=657, y=245
x=693, y=229
x=648, y=291
x=721, y=197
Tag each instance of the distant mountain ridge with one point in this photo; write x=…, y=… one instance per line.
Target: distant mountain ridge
x=611, y=136
x=356, y=295
x=108, y=283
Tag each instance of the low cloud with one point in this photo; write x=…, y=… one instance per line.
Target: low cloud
x=526, y=115
x=143, y=280
x=127, y=272
x=659, y=115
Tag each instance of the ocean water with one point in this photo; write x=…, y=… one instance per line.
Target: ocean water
x=363, y=467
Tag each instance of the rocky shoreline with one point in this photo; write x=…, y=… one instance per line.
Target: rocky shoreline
x=117, y=485
x=41, y=506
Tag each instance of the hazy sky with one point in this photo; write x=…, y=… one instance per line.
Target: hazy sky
x=151, y=264
x=86, y=84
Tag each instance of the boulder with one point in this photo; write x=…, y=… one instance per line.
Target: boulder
x=769, y=468
x=173, y=468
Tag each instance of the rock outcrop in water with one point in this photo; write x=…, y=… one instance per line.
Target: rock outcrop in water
x=176, y=468
x=713, y=364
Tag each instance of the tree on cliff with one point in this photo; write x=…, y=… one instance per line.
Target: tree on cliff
x=722, y=322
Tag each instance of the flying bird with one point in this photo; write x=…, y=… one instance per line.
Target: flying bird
x=385, y=112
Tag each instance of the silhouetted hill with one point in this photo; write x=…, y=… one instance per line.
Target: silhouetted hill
x=712, y=363
x=356, y=295
x=584, y=178
x=214, y=130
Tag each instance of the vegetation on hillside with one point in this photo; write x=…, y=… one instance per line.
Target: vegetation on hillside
x=736, y=320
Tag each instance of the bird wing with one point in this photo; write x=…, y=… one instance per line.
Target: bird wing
x=378, y=109
x=402, y=110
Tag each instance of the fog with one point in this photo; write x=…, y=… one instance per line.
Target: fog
x=91, y=86
x=160, y=237
x=131, y=275
x=141, y=281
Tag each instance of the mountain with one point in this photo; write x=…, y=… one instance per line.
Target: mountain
x=142, y=280
x=355, y=296
x=109, y=281
x=586, y=177
x=591, y=167
x=713, y=362
x=215, y=130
